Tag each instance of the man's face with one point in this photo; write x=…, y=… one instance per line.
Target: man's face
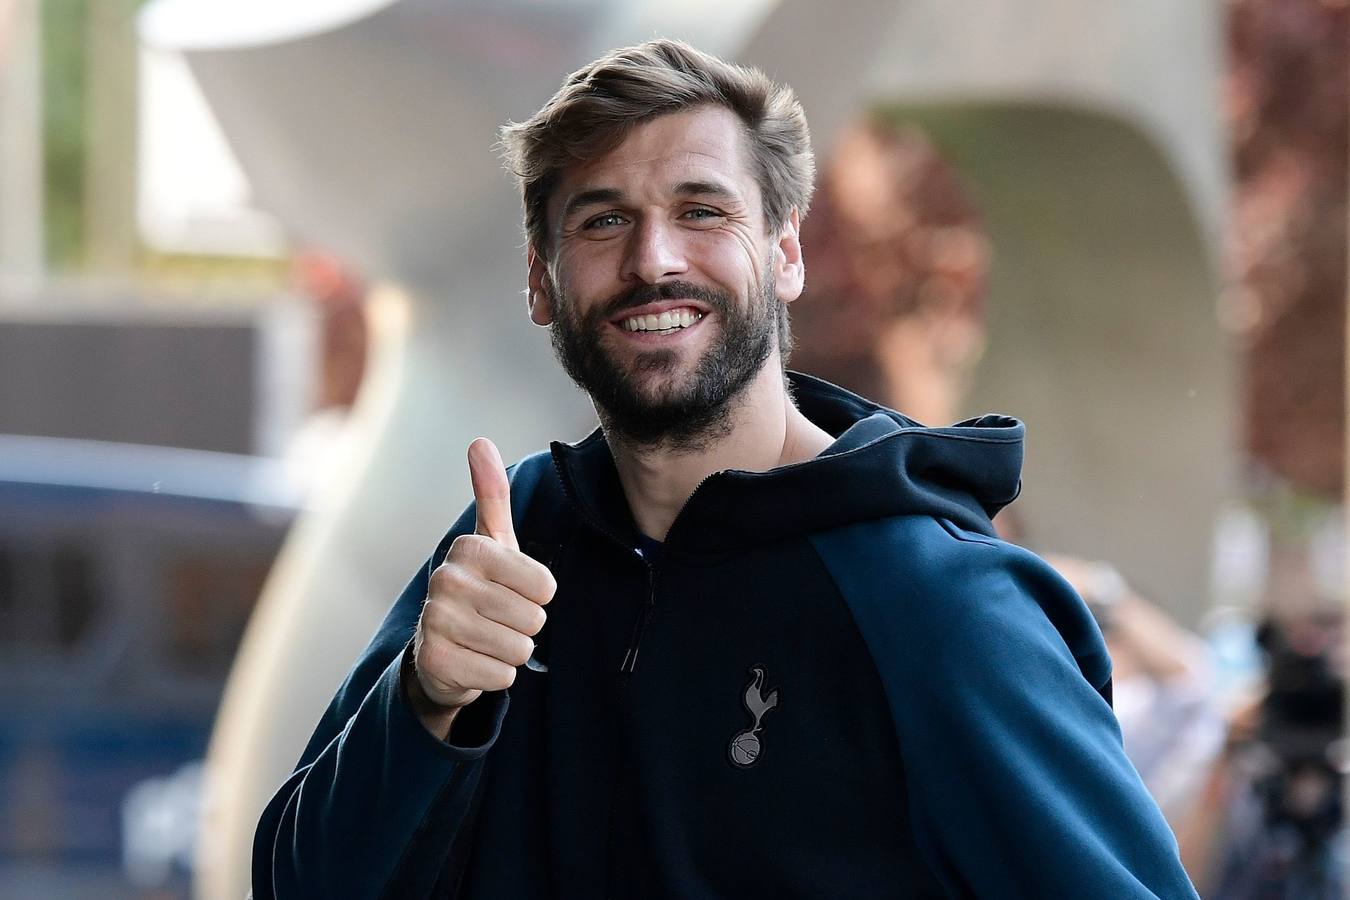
x=663, y=290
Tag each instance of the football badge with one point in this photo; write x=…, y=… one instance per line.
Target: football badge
x=744, y=749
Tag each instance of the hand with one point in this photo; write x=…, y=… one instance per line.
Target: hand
x=484, y=604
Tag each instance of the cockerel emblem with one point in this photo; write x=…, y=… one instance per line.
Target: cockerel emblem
x=744, y=749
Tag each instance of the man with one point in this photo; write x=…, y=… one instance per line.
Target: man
x=785, y=655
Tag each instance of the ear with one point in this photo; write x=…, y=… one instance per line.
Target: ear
x=789, y=271
x=538, y=298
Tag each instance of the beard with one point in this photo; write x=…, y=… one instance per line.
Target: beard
x=684, y=412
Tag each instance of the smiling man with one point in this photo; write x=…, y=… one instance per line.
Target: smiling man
x=754, y=637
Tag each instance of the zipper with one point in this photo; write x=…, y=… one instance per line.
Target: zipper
x=625, y=674
x=629, y=664
x=649, y=604
x=630, y=655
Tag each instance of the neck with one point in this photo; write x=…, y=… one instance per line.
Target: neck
x=765, y=431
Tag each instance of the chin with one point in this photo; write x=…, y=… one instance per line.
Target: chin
x=656, y=368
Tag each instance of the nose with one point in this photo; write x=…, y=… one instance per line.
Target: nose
x=655, y=252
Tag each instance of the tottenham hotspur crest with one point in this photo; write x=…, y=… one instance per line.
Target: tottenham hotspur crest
x=744, y=749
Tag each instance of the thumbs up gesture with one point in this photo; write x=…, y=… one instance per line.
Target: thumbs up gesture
x=484, y=604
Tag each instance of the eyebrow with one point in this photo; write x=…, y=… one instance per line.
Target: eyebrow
x=706, y=189
x=592, y=197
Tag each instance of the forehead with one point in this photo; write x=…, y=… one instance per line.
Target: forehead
x=707, y=144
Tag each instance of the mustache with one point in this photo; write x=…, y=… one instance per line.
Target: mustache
x=666, y=290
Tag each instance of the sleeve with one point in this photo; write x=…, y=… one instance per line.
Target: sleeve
x=1018, y=783
x=377, y=804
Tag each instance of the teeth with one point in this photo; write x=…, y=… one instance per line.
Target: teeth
x=680, y=318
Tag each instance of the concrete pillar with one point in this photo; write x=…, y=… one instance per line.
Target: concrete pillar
x=21, y=244
x=110, y=161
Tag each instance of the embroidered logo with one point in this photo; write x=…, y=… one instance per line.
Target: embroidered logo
x=744, y=749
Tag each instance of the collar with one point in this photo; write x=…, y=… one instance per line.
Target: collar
x=881, y=464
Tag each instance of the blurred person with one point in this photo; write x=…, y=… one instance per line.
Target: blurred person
x=1271, y=826
x=785, y=653
x=338, y=297
x=339, y=294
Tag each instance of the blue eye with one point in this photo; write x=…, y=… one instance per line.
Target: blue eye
x=703, y=217
x=604, y=221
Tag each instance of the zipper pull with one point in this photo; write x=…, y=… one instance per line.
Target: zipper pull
x=644, y=615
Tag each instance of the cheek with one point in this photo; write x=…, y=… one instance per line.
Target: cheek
x=729, y=257
x=583, y=271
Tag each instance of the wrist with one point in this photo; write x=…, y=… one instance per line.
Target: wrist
x=435, y=717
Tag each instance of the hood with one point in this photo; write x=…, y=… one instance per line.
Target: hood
x=881, y=464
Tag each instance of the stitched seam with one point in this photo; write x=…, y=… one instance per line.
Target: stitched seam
x=895, y=728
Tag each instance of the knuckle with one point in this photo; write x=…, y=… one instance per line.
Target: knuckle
x=431, y=611
x=430, y=657
x=438, y=616
x=447, y=579
x=455, y=588
x=467, y=547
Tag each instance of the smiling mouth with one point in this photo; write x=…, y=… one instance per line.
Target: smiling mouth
x=667, y=322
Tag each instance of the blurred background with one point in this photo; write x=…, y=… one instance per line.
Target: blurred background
x=261, y=281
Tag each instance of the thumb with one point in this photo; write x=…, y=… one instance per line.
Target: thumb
x=491, y=493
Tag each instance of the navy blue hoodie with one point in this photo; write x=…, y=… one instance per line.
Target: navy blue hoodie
x=830, y=680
